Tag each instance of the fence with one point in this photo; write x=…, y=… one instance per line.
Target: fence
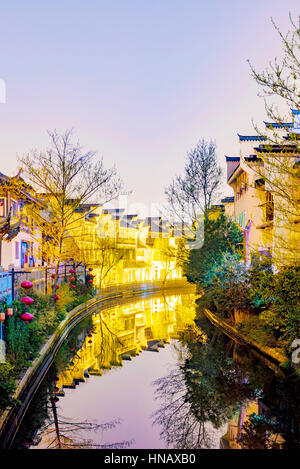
x=10, y=281
x=5, y=286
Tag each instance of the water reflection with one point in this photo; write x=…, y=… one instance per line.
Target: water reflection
x=123, y=332
x=103, y=341
x=220, y=382
x=216, y=394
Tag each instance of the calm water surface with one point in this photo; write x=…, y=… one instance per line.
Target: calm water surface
x=147, y=375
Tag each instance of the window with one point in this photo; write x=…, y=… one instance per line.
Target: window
x=241, y=185
x=269, y=206
x=241, y=219
x=2, y=207
x=14, y=208
x=17, y=250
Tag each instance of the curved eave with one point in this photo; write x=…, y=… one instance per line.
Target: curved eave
x=251, y=138
x=238, y=170
x=277, y=125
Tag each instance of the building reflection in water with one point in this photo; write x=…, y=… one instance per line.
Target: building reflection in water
x=218, y=393
x=123, y=332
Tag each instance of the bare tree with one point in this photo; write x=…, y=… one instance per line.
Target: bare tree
x=278, y=166
x=180, y=427
x=281, y=79
x=193, y=193
x=104, y=255
x=64, y=177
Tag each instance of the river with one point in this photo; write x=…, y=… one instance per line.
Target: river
x=155, y=373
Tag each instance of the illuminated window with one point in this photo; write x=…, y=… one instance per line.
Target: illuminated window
x=14, y=208
x=2, y=207
x=269, y=206
x=241, y=185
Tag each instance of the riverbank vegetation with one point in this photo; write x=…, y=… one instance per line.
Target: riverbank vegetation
x=23, y=341
x=220, y=383
x=262, y=304
x=263, y=300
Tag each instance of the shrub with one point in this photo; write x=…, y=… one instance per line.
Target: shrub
x=7, y=386
x=256, y=329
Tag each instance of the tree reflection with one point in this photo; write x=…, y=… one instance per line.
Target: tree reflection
x=207, y=390
x=43, y=428
x=217, y=380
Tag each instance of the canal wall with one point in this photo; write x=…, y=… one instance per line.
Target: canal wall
x=11, y=419
x=272, y=357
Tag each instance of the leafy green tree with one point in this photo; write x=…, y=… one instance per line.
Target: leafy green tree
x=283, y=313
x=221, y=236
x=259, y=433
x=227, y=289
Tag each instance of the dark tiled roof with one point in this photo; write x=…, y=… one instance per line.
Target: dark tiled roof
x=130, y=217
x=3, y=177
x=227, y=200
x=251, y=138
x=277, y=125
x=232, y=158
x=111, y=211
x=291, y=148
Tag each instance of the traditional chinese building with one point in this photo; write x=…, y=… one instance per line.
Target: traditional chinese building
x=269, y=222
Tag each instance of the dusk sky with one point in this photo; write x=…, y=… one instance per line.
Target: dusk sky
x=140, y=81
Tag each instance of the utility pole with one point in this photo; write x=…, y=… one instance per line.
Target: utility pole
x=13, y=284
x=46, y=279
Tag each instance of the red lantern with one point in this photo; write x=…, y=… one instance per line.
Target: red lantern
x=72, y=286
x=72, y=271
x=90, y=335
x=56, y=399
x=56, y=297
x=2, y=317
x=26, y=317
x=90, y=281
x=27, y=301
x=9, y=311
x=90, y=269
x=72, y=279
x=72, y=349
x=90, y=341
x=90, y=330
x=53, y=276
x=26, y=285
x=90, y=275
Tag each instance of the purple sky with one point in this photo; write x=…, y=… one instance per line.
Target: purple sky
x=141, y=81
